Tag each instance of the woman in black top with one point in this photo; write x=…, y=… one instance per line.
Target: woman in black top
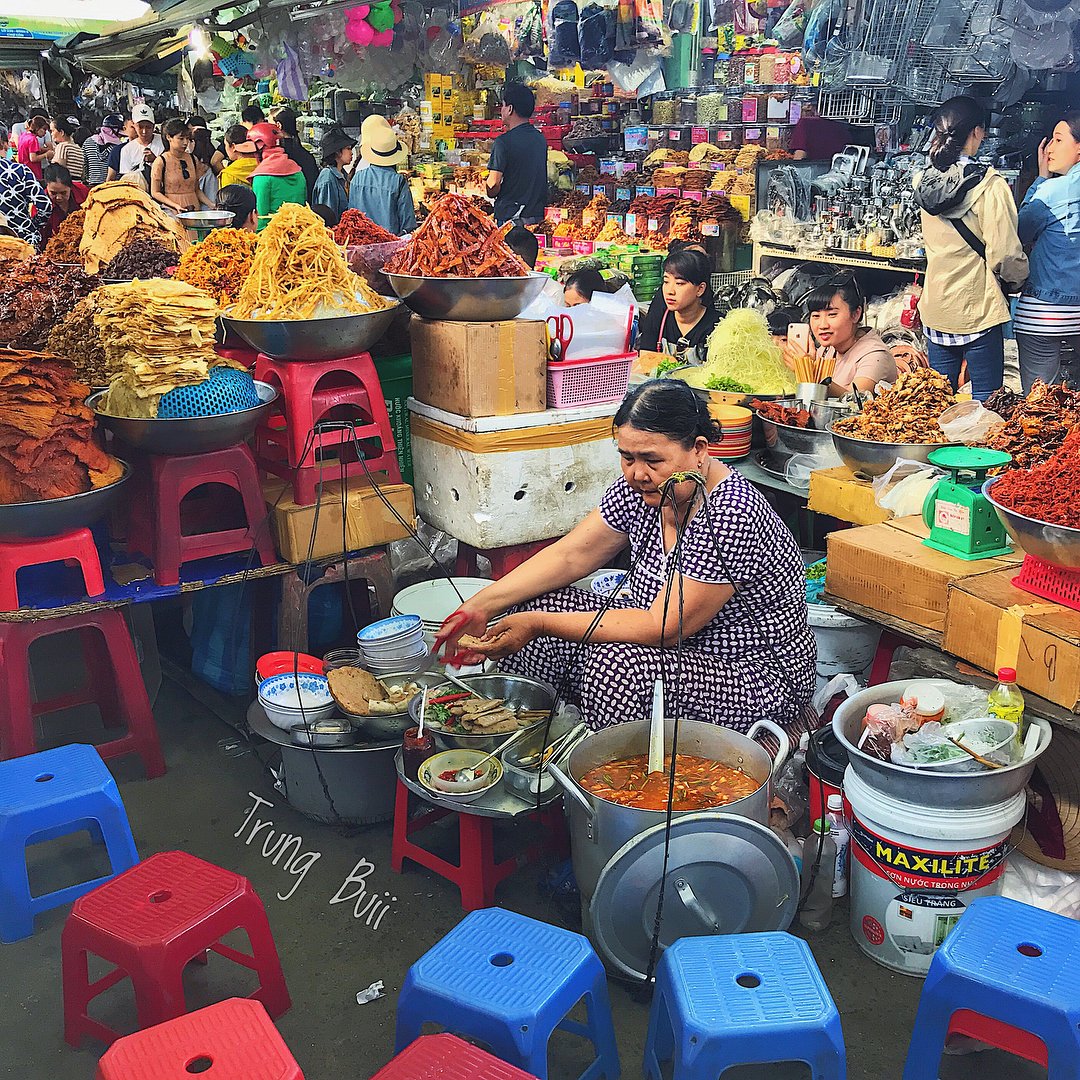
x=682, y=324
x=285, y=118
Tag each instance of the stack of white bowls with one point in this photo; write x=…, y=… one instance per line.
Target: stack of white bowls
x=289, y=700
x=434, y=600
x=392, y=645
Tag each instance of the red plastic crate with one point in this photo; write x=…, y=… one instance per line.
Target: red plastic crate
x=588, y=382
x=1050, y=582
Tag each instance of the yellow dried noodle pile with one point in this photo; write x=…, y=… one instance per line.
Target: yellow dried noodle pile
x=741, y=348
x=300, y=273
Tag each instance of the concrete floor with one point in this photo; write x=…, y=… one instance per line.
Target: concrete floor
x=328, y=955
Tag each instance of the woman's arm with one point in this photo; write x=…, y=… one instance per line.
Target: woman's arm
x=157, y=183
x=997, y=215
x=201, y=169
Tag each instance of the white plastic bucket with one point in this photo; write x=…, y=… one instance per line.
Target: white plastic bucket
x=914, y=869
x=845, y=645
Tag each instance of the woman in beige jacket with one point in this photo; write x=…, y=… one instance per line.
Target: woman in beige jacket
x=973, y=254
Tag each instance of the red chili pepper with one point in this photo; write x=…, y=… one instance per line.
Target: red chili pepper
x=447, y=698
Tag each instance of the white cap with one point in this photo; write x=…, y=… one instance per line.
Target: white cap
x=141, y=113
x=835, y=802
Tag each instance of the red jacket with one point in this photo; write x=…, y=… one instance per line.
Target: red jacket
x=79, y=191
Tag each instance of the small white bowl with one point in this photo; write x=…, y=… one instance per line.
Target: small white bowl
x=281, y=701
x=468, y=792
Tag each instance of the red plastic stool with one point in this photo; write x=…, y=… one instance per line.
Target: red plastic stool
x=502, y=560
x=446, y=1057
x=238, y=354
x=77, y=545
x=232, y=1040
x=155, y=527
x=150, y=922
x=309, y=391
x=476, y=873
x=114, y=683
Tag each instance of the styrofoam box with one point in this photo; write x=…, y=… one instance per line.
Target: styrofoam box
x=498, y=499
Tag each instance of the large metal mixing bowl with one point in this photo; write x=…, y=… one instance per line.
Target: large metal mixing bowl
x=785, y=440
x=187, y=435
x=463, y=299
x=1055, y=544
x=692, y=376
x=867, y=459
x=314, y=339
x=48, y=517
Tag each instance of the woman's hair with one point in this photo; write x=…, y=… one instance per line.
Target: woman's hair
x=285, y=118
x=236, y=135
x=239, y=200
x=953, y=124
x=201, y=147
x=37, y=121
x=56, y=174
x=847, y=288
x=671, y=408
x=586, y=282
x=171, y=128
x=694, y=267
x=1072, y=120
x=67, y=124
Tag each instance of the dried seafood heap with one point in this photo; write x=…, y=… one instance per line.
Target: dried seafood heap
x=47, y=447
x=1035, y=426
x=34, y=296
x=458, y=240
x=144, y=258
x=76, y=339
x=119, y=213
x=63, y=245
x=1046, y=492
x=905, y=413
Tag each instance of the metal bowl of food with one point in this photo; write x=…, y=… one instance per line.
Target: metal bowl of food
x=206, y=219
x=867, y=458
x=323, y=734
x=530, y=696
x=187, y=435
x=394, y=725
x=314, y=339
x=1056, y=544
x=48, y=517
x=467, y=299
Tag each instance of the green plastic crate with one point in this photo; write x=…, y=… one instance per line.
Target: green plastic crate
x=395, y=375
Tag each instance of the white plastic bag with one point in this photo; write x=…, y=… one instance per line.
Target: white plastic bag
x=903, y=489
x=1041, y=886
x=968, y=422
x=800, y=466
x=600, y=328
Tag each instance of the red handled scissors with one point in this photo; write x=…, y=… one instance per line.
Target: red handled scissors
x=561, y=331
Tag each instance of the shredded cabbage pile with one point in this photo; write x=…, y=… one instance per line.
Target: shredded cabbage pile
x=741, y=349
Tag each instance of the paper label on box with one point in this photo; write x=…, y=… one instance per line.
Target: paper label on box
x=952, y=516
x=751, y=134
x=749, y=110
x=635, y=138
x=630, y=226
x=699, y=135
x=675, y=134
x=656, y=134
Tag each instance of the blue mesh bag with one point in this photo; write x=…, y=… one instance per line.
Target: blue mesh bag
x=226, y=390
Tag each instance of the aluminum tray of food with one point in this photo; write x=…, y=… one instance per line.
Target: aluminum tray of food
x=465, y=299
x=49, y=517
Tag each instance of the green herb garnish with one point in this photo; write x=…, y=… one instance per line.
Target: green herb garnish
x=728, y=386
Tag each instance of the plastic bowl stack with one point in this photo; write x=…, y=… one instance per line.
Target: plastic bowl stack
x=393, y=645
x=433, y=601
x=736, y=424
x=289, y=700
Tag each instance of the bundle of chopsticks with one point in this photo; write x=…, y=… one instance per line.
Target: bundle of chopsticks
x=815, y=369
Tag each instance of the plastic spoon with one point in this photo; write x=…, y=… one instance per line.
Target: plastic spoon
x=423, y=710
x=656, y=730
x=464, y=775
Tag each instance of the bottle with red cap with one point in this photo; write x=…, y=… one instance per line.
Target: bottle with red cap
x=1006, y=701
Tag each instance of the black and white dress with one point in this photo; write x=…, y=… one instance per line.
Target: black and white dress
x=20, y=191
x=754, y=660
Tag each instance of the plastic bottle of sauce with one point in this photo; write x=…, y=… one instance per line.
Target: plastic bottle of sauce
x=1006, y=701
x=841, y=837
x=816, y=913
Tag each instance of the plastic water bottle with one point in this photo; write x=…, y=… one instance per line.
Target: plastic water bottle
x=841, y=837
x=1006, y=701
x=816, y=913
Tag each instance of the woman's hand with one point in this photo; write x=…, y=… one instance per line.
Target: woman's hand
x=1044, y=160
x=470, y=618
x=791, y=354
x=512, y=634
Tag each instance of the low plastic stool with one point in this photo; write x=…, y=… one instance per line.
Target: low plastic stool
x=114, y=683
x=476, y=873
x=155, y=525
x=372, y=566
x=232, y=1040
x=742, y=999
x=1008, y=974
x=286, y=443
x=45, y=796
x=238, y=354
x=150, y=922
x=502, y=560
x=77, y=545
x=509, y=982
x=446, y=1057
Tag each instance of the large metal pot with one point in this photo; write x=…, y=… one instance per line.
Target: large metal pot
x=598, y=828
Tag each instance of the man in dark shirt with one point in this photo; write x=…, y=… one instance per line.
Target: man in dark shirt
x=517, y=170
x=814, y=138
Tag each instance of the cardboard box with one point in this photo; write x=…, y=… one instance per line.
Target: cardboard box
x=480, y=369
x=368, y=522
x=992, y=624
x=839, y=494
x=888, y=568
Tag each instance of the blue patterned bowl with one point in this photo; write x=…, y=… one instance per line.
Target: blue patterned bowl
x=385, y=631
x=286, y=706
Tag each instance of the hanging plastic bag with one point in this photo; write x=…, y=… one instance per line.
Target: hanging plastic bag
x=486, y=45
x=596, y=36
x=903, y=489
x=565, y=45
x=968, y=422
x=529, y=39
x=650, y=23
x=800, y=466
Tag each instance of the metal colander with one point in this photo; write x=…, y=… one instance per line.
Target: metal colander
x=226, y=390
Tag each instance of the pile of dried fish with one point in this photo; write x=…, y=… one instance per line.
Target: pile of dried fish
x=481, y=716
x=1036, y=426
x=907, y=412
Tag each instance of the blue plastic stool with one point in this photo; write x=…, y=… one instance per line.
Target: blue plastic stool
x=45, y=796
x=742, y=999
x=1008, y=974
x=509, y=981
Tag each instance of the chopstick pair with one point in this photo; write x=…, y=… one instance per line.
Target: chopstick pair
x=814, y=369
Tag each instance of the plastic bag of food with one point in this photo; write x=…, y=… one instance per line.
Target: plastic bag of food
x=963, y=702
x=968, y=422
x=565, y=48
x=903, y=489
x=932, y=745
x=800, y=466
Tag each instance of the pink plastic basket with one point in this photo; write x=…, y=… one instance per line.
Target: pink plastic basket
x=588, y=382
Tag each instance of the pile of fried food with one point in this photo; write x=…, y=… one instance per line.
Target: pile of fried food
x=907, y=412
x=157, y=335
x=11, y=247
x=118, y=213
x=220, y=264
x=789, y=415
x=470, y=715
x=358, y=693
x=47, y=447
x=76, y=339
x=458, y=240
x=1034, y=427
x=34, y=296
x=63, y=245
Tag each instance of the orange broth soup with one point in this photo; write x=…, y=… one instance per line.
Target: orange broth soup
x=699, y=783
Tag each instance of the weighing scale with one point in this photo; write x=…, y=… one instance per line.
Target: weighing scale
x=961, y=520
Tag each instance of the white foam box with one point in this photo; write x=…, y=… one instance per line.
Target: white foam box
x=496, y=481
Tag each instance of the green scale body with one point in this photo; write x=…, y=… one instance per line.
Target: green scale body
x=961, y=520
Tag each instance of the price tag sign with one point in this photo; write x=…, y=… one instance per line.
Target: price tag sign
x=553, y=213
x=772, y=133
x=699, y=135
x=631, y=225
x=710, y=229
x=585, y=189
x=693, y=196
x=648, y=191
x=654, y=225
x=635, y=138
x=668, y=191
x=622, y=194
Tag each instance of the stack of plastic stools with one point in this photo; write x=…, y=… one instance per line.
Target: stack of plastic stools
x=44, y=797
x=1009, y=975
x=232, y=1040
x=446, y=1057
x=286, y=442
x=502, y=560
x=114, y=683
x=77, y=545
x=150, y=922
x=509, y=982
x=742, y=999
x=154, y=527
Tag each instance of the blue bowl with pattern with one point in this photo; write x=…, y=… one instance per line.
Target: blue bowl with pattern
x=288, y=700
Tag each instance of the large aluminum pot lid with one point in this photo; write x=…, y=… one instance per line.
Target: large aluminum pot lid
x=726, y=875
